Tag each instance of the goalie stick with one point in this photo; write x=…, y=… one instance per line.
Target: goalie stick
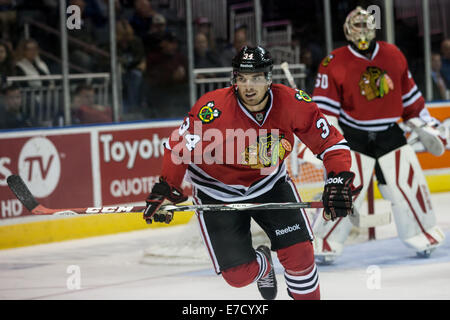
x=19, y=188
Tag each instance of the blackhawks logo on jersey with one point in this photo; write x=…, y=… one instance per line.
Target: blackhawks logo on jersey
x=375, y=83
x=327, y=60
x=302, y=95
x=208, y=113
x=266, y=152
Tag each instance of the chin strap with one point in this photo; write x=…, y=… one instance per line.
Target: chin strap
x=265, y=96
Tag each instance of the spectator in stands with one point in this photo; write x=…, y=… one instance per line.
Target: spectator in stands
x=130, y=51
x=439, y=86
x=168, y=65
x=97, y=11
x=6, y=62
x=78, y=55
x=203, y=25
x=445, y=54
x=204, y=57
x=29, y=62
x=142, y=17
x=157, y=30
x=8, y=20
x=85, y=110
x=11, y=110
x=167, y=79
x=240, y=40
x=307, y=59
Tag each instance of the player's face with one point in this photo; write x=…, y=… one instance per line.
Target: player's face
x=251, y=87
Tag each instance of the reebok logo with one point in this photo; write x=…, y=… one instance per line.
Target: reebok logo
x=339, y=180
x=287, y=230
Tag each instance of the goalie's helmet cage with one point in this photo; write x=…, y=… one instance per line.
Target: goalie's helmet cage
x=359, y=28
x=252, y=60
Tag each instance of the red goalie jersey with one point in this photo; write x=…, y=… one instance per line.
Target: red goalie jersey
x=367, y=94
x=232, y=154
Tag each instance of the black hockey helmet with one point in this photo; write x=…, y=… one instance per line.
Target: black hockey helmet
x=252, y=60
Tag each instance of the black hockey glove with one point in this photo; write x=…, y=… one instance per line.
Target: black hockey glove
x=162, y=193
x=338, y=195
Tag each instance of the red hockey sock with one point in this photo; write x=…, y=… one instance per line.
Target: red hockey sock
x=247, y=273
x=300, y=271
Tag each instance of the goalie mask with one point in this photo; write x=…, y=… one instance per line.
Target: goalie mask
x=359, y=29
x=252, y=60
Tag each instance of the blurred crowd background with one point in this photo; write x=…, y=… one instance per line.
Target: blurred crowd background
x=153, y=58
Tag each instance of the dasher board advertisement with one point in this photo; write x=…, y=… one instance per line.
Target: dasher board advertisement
x=83, y=166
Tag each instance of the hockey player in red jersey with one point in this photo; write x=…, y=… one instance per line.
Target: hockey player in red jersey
x=232, y=146
x=368, y=87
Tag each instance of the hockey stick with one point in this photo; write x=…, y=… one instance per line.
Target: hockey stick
x=18, y=187
x=285, y=67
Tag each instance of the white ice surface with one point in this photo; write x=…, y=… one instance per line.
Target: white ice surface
x=111, y=268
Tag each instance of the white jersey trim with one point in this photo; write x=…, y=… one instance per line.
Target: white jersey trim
x=328, y=104
x=412, y=96
x=341, y=145
x=231, y=193
x=244, y=109
x=357, y=54
x=367, y=125
x=334, y=103
x=409, y=93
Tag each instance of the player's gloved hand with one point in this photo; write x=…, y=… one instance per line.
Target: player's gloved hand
x=338, y=195
x=162, y=194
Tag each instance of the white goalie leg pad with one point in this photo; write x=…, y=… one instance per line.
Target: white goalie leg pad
x=330, y=236
x=407, y=189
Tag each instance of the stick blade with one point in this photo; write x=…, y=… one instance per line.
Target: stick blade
x=18, y=186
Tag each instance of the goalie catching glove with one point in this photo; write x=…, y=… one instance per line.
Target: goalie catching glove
x=162, y=194
x=338, y=195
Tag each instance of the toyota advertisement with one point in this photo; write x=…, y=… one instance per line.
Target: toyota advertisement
x=130, y=161
x=73, y=167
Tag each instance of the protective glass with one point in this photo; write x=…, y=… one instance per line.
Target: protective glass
x=251, y=79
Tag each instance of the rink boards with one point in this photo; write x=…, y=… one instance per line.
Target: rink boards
x=107, y=165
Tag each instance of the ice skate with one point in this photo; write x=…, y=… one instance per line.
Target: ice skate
x=267, y=286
